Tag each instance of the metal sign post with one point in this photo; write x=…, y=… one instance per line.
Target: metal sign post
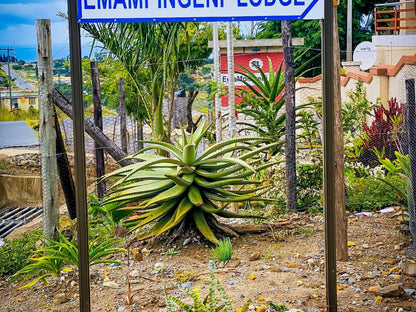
x=198, y=10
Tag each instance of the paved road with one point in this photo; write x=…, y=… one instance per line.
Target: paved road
x=19, y=81
x=17, y=133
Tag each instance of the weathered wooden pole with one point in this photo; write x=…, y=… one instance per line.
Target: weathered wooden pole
x=290, y=135
x=47, y=129
x=98, y=122
x=123, y=117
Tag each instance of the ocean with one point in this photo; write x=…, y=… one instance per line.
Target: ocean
x=28, y=53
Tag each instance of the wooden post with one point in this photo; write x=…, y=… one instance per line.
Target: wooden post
x=98, y=122
x=47, y=129
x=341, y=217
x=123, y=126
x=290, y=136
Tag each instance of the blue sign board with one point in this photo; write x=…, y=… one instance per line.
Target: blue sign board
x=91, y=11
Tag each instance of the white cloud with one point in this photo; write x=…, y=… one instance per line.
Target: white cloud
x=34, y=10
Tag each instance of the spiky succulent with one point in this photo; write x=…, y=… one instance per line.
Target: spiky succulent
x=187, y=187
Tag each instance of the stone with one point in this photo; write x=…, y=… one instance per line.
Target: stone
x=393, y=290
x=121, y=309
x=409, y=291
x=254, y=256
x=60, y=298
x=374, y=289
x=410, y=269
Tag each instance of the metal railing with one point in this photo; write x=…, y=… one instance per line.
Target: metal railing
x=390, y=20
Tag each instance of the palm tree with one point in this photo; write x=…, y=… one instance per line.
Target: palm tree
x=154, y=54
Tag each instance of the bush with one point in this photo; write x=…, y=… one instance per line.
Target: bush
x=370, y=194
x=15, y=253
x=309, y=184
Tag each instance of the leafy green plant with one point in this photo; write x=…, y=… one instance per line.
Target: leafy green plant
x=171, y=252
x=14, y=253
x=278, y=307
x=107, y=215
x=309, y=183
x=223, y=251
x=369, y=194
x=186, y=189
x=211, y=303
x=58, y=253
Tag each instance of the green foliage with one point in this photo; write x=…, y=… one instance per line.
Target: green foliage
x=58, y=253
x=309, y=184
x=213, y=302
x=171, y=252
x=15, y=115
x=309, y=129
x=107, y=215
x=187, y=189
x=223, y=251
x=15, y=253
x=356, y=110
x=277, y=307
x=369, y=194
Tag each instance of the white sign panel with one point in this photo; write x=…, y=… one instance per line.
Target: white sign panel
x=197, y=10
x=239, y=79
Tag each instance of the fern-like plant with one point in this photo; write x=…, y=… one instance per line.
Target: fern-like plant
x=187, y=189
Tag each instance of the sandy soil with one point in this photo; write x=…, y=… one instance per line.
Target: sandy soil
x=285, y=266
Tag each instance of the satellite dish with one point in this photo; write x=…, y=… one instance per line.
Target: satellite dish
x=365, y=53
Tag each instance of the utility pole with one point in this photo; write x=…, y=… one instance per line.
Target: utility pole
x=8, y=73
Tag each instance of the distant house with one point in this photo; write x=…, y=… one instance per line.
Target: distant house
x=19, y=100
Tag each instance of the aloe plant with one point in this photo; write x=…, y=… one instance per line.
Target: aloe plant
x=187, y=188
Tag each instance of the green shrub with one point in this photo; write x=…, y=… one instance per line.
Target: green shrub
x=223, y=251
x=370, y=194
x=15, y=253
x=309, y=184
x=58, y=253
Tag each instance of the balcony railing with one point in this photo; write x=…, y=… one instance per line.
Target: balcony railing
x=389, y=17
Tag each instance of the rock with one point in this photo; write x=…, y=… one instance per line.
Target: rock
x=394, y=290
x=254, y=256
x=186, y=241
x=410, y=269
x=366, y=246
x=60, y=298
x=409, y=291
x=110, y=284
x=74, y=283
x=374, y=289
x=121, y=309
x=351, y=281
x=134, y=273
x=261, y=308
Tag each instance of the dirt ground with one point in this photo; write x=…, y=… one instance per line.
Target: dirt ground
x=284, y=265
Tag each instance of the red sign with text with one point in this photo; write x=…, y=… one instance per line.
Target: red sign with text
x=247, y=60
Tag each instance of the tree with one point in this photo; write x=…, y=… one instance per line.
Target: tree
x=154, y=54
x=290, y=127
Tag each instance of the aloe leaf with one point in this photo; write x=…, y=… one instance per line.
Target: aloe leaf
x=203, y=227
x=231, y=160
x=173, y=192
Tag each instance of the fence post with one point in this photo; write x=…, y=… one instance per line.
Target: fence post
x=411, y=120
x=98, y=122
x=47, y=129
x=123, y=126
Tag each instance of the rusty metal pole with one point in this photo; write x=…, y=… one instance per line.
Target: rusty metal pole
x=329, y=155
x=79, y=149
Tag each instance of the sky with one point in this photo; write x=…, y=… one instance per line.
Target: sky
x=17, y=26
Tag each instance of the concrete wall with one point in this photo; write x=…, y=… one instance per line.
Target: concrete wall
x=23, y=191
